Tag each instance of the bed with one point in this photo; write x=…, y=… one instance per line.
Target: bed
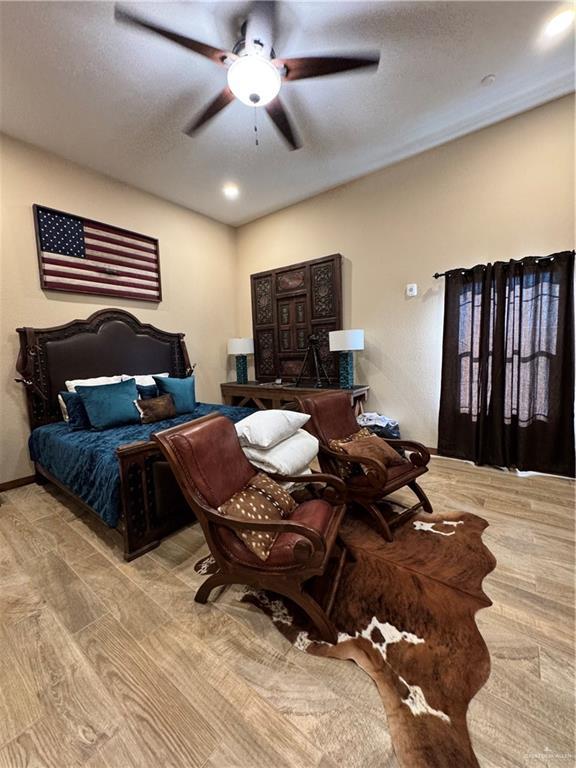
x=118, y=474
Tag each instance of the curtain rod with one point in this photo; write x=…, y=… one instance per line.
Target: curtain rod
x=463, y=270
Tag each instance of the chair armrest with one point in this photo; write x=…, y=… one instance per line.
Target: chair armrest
x=377, y=474
x=419, y=454
x=291, y=405
x=270, y=526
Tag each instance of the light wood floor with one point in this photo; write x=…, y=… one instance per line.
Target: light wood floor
x=105, y=664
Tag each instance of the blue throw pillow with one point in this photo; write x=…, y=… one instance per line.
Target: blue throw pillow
x=147, y=391
x=183, y=392
x=110, y=405
x=77, y=416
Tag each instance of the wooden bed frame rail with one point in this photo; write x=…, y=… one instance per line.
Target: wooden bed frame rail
x=153, y=505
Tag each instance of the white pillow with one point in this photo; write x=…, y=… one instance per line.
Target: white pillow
x=97, y=382
x=290, y=457
x=63, y=408
x=144, y=379
x=290, y=486
x=265, y=429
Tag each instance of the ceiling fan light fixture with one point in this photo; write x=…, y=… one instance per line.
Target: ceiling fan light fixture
x=254, y=80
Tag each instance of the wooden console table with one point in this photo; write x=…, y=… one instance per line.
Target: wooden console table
x=268, y=395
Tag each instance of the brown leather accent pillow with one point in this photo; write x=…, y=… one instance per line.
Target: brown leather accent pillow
x=366, y=443
x=155, y=409
x=261, y=499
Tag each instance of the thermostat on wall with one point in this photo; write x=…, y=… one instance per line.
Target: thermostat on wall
x=412, y=289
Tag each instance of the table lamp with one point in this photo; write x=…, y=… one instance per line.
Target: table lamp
x=241, y=348
x=345, y=342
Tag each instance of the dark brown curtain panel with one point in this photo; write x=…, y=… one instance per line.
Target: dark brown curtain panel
x=507, y=396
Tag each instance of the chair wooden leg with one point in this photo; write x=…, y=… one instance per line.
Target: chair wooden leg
x=315, y=612
x=307, y=603
x=422, y=498
x=380, y=520
x=312, y=609
x=213, y=581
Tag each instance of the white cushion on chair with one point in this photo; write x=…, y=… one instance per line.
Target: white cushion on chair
x=290, y=457
x=265, y=429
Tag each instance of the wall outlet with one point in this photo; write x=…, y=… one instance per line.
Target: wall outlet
x=412, y=289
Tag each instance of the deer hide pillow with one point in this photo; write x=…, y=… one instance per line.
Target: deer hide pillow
x=262, y=499
x=366, y=444
x=155, y=409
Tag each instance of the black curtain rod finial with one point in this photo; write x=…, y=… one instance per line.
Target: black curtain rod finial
x=436, y=275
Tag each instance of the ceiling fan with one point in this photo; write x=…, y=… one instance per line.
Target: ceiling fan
x=255, y=74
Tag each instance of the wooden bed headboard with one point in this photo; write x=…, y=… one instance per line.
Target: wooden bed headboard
x=109, y=342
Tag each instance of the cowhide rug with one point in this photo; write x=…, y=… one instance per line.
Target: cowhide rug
x=405, y=613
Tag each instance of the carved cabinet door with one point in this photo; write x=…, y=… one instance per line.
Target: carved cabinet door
x=290, y=304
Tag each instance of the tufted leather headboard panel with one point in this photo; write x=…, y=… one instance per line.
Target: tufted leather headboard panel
x=109, y=342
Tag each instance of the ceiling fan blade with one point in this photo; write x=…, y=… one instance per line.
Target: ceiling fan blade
x=215, y=54
x=216, y=105
x=318, y=66
x=280, y=118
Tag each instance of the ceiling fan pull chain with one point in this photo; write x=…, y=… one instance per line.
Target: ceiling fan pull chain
x=256, y=127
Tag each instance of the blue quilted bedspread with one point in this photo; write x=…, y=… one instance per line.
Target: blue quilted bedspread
x=86, y=461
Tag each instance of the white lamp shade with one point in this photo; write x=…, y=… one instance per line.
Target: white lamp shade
x=254, y=80
x=346, y=341
x=240, y=346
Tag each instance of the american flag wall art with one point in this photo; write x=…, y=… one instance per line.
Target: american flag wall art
x=85, y=256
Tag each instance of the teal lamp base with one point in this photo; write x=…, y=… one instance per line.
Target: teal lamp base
x=241, y=369
x=346, y=370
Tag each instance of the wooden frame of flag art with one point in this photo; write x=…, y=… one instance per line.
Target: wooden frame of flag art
x=79, y=255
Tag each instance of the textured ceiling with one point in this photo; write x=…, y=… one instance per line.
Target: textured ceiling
x=115, y=99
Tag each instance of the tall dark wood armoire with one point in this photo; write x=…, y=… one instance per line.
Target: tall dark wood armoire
x=288, y=305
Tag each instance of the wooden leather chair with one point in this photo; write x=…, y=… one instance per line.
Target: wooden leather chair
x=332, y=417
x=210, y=468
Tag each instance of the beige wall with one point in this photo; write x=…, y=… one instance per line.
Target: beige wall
x=501, y=193
x=197, y=261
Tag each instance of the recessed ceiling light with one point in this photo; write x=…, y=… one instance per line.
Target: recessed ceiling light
x=559, y=23
x=230, y=190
